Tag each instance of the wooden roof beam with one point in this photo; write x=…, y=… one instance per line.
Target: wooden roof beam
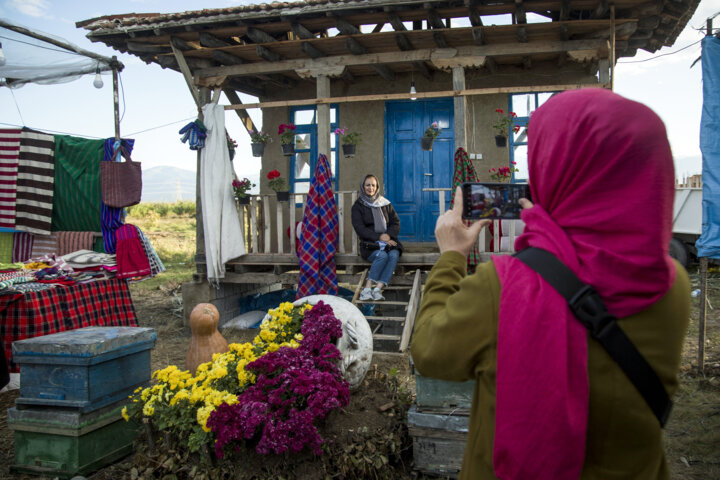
x=311, y=50
x=357, y=49
x=405, y=44
x=244, y=117
x=267, y=54
x=419, y=55
x=476, y=21
x=520, y=15
x=259, y=36
x=601, y=11
x=346, y=28
x=300, y=31
x=434, y=22
x=211, y=41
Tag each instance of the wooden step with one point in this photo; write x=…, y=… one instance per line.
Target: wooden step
x=383, y=302
x=380, y=336
x=388, y=319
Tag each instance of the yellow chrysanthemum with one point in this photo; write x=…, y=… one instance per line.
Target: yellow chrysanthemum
x=203, y=414
x=124, y=414
x=180, y=395
x=148, y=409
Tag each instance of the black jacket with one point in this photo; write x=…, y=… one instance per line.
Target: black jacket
x=364, y=225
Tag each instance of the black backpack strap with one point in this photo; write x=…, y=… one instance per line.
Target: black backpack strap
x=589, y=308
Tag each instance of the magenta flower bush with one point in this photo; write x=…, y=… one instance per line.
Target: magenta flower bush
x=294, y=389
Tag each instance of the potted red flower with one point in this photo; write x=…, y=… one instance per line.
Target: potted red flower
x=240, y=188
x=503, y=125
x=278, y=184
x=287, y=138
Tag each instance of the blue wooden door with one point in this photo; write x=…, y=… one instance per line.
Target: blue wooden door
x=409, y=169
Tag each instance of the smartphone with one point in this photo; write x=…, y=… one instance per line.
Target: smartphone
x=493, y=200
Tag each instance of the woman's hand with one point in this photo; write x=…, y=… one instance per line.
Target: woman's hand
x=384, y=237
x=525, y=203
x=452, y=233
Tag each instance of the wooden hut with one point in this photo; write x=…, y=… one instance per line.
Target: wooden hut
x=322, y=64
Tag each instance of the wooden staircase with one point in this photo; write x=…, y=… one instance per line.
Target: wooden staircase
x=391, y=320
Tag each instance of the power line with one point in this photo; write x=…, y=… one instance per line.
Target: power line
x=42, y=46
x=663, y=54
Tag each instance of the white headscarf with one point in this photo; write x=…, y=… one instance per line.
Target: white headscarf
x=375, y=202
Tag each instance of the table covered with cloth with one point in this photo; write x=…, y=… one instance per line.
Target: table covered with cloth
x=101, y=303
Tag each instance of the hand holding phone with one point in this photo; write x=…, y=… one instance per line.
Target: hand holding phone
x=452, y=233
x=493, y=201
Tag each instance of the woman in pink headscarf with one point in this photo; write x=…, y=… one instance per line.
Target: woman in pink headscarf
x=549, y=402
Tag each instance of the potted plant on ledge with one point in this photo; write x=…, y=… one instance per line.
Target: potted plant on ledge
x=240, y=188
x=278, y=184
x=349, y=140
x=258, y=140
x=431, y=132
x=503, y=174
x=503, y=125
x=287, y=138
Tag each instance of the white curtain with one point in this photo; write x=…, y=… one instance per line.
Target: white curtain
x=221, y=224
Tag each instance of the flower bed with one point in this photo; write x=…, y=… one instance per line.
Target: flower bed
x=267, y=394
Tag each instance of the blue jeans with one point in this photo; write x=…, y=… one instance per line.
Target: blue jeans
x=383, y=265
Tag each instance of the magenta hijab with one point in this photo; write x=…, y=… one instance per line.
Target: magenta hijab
x=602, y=181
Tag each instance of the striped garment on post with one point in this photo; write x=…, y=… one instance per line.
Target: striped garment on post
x=35, y=182
x=9, y=152
x=22, y=246
x=318, y=240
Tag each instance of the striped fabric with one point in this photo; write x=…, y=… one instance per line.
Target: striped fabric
x=112, y=218
x=22, y=246
x=44, y=245
x=9, y=151
x=156, y=265
x=76, y=206
x=35, y=182
x=131, y=259
x=68, y=242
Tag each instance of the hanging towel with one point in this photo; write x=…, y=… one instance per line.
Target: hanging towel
x=68, y=242
x=221, y=225
x=9, y=152
x=111, y=218
x=156, y=265
x=76, y=206
x=6, y=241
x=465, y=172
x=36, y=182
x=131, y=259
x=318, y=242
x=22, y=247
x=44, y=245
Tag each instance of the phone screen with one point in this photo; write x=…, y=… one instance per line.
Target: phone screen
x=493, y=200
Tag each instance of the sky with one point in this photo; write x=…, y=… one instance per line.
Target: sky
x=155, y=103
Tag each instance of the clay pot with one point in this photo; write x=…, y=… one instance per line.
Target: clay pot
x=206, y=340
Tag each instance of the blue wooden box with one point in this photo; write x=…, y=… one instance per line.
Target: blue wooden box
x=86, y=368
x=438, y=441
x=62, y=443
x=432, y=395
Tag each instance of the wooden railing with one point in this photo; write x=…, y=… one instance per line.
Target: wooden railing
x=262, y=222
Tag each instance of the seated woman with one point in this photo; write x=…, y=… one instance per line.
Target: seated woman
x=378, y=225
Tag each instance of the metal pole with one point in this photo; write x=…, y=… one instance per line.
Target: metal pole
x=702, y=313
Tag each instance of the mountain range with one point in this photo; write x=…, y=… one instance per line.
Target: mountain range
x=170, y=184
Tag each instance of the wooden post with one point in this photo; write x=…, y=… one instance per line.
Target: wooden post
x=612, y=47
x=116, y=99
x=702, y=313
x=460, y=103
x=604, y=70
x=323, y=111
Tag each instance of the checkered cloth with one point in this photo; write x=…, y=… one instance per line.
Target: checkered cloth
x=318, y=240
x=465, y=172
x=102, y=304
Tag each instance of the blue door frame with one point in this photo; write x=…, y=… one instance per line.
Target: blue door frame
x=409, y=169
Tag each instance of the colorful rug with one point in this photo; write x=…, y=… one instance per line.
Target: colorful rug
x=465, y=172
x=9, y=152
x=35, y=182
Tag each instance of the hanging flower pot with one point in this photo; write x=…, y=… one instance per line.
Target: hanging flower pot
x=243, y=200
x=500, y=140
x=288, y=149
x=257, y=149
x=427, y=143
x=283, y=196
x=349, y=149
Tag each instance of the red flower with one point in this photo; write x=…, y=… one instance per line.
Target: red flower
x=273, y=174
x=499, y=110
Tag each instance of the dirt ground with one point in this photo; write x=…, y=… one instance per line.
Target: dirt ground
x=692, y=434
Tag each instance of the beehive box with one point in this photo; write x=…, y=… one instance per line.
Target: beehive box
x=84, y=369
x=434, y=395
x=62, y=443
x=438, y=441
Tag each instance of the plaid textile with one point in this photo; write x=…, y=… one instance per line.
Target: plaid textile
x=318, y=240
x=111, y=218
x=68, y=242
x=102, y=304
x=35, y=182
x=9, y=152
x=22, y=246
x=465, y=172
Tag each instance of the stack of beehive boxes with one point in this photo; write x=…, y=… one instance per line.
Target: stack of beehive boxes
x=73, y=386
x=438, y=424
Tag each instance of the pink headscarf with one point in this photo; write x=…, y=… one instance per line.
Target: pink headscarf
x=602, y=180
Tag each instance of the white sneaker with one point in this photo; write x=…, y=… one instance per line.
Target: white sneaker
x=377, y=294
x=366, y=294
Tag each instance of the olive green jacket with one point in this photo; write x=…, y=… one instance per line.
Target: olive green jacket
x=455, y=339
